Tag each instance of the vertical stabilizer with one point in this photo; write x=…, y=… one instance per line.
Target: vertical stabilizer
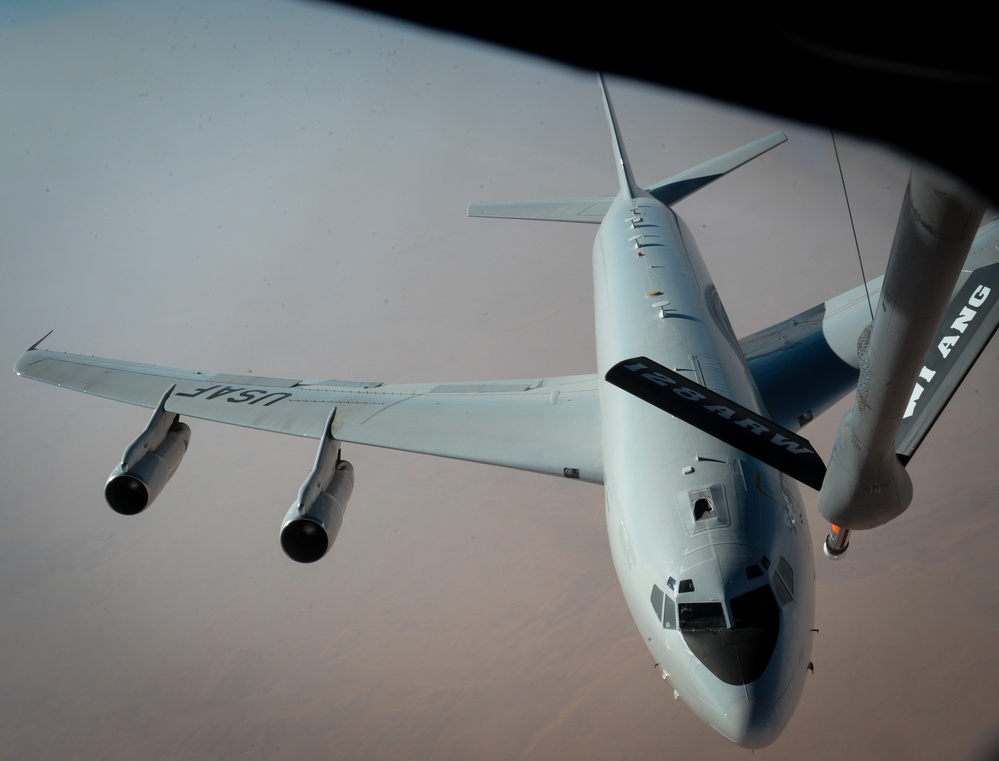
x=624, y=175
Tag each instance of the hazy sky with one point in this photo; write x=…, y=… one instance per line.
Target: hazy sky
x=281, y=188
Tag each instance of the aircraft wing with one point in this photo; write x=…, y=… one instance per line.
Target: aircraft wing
x=549, y=425
x=806, y=363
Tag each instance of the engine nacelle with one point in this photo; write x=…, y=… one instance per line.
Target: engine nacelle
x=131, y=491
x=148, y=462
x=309, y=530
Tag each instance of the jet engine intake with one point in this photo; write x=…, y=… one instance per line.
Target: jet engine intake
x=307, y=535
x=314, y=520
x=148, y=462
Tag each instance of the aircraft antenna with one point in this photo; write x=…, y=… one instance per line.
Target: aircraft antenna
x=853, y=227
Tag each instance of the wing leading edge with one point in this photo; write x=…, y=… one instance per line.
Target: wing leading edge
x=549, y=425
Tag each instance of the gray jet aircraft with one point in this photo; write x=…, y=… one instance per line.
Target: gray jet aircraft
x=692, y=432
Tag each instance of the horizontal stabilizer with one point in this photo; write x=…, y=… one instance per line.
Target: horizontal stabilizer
x=722, y=418
x=679, y=186
x=590, y=210
x=968, y=323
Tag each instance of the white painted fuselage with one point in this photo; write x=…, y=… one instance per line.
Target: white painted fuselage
x=693, y=523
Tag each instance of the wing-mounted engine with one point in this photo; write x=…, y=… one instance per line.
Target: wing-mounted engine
x=314, y=520
x=148, y=462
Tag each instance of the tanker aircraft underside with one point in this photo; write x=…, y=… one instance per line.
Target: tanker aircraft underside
x=692, y=432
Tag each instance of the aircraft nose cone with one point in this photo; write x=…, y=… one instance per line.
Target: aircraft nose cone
x=750, y=724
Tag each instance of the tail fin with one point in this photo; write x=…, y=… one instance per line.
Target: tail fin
x=593, y=209
x=624, y=174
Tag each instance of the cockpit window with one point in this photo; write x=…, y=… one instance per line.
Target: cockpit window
x=657, y=601
x=664, y=607
x=782, y=591
x=786, y=573
x=753, y=571
x=669, y=614
x=696, y=616
x=686, y=585
x=755, y=609
x=741, y=654
x=784, y=581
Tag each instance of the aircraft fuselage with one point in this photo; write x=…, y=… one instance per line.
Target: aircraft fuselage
x=711, y=547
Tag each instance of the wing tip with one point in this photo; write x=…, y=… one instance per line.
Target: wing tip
x=37, y=343
x=22, y=363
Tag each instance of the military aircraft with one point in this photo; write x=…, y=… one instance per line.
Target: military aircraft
x=692, y=432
